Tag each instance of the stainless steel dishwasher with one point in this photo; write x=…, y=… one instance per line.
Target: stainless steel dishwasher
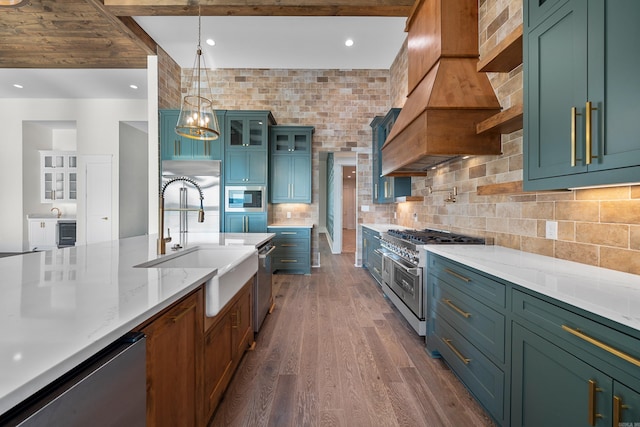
x=107, y=390
x=263, y=298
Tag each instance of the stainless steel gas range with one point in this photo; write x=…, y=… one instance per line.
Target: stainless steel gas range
x=403, y=269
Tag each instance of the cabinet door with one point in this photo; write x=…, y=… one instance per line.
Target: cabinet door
x=614, y=86
x=626, y=405
x=300, y=179
x=241, y=324
x=246, y=167
x=280, y=178
x=236, y=167
x=218, y=362
x=245, y=223
x=246, y=132
x=173, y=365
x=536, y=10
x=169, y=139
x=234, y=223
x=256, y=167
x=551, y=387
x=555, y=82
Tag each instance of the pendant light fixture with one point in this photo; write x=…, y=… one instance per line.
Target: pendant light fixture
x=197, y=119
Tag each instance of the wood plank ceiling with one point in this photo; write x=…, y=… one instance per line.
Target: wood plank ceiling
x=103, y=34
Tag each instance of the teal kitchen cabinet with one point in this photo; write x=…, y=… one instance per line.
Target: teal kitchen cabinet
x=246, y=167
x=467, y=327
x=385, y=189
x=293, y=250
x=246, y=143
x=248, y=130
x=371, y=255
x=528, y=358
x=290, y=171
x=177, y=147
x=245, y=222
x=569, y=369
x=581, y=91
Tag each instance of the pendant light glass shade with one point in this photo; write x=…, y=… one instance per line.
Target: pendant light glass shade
x=197, y=119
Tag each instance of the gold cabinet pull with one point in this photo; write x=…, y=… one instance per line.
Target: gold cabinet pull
x=289, y=232
x=618, y=406
x=288, y=260
x=592, y=415
x=289, y=245
x=375, y=191
x=179, y=316
x=449, y=344
x=459, y=276
x=603, y=346
x=456, y=308
x=574, y=113
x=587, y=119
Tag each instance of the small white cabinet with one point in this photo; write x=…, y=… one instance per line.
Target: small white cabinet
x=42, y=233
x=58, y=176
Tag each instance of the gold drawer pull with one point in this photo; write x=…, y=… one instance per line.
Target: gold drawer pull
x=455, y=350
x=289, y=232
x=574, y=113
x=602, y=345
x=456, y=308
x=288, y=260
x=459, y=276
x=288, y=245
x=618, y=406
x=592, y=415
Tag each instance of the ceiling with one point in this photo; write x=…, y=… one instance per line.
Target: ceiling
x=96, y=49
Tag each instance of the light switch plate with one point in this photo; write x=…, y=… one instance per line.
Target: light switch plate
x=551, y=231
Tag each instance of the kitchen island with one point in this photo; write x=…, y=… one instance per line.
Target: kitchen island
x=60, y=307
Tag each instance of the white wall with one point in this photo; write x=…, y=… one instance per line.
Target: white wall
x=98, y=126
x=134, y=180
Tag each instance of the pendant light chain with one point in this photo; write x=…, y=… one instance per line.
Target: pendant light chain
x=197, y=120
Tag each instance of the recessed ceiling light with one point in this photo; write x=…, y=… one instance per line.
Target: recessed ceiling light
x=18, y=86
x=348, y=43
x=211, y=42
x=133, y=86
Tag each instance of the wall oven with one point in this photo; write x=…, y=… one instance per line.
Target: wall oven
x=245, y=199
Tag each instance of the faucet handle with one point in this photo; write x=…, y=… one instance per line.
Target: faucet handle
x=168, y=238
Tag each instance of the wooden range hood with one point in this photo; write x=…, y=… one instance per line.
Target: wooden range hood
x=447, y=96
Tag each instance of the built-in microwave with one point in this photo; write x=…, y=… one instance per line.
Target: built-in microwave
x=245, y=199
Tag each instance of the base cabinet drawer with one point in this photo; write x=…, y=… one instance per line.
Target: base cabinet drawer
x=484, y=379
x=293, y=250
x=481, y=325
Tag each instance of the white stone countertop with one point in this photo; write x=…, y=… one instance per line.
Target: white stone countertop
x=383, y=228
x=611, y=294
x=60, y=307
x=281, y=225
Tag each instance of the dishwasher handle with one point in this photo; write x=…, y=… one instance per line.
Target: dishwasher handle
x=266, y=254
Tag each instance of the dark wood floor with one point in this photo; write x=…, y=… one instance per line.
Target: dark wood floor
x=336, y=353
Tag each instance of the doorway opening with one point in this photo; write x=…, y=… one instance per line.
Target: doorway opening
x=349, y=209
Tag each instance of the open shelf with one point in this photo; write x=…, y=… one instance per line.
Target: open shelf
x=409, y=199
x=507, y=121
x=506, y=56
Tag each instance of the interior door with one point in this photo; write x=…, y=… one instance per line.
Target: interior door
x=98, y=198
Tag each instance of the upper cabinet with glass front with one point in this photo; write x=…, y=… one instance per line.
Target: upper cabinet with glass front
x=58, y=176
x=248, y=129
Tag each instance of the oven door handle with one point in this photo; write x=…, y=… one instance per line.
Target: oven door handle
x=414, y=271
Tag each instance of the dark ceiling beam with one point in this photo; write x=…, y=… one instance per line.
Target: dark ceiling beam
x=128, y=27
x=391, y=8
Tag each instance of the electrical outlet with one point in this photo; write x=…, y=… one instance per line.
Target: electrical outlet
x=395, y=215
x=415, y=217
x=288, y=214
x=551, y=231
x=364, y=208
